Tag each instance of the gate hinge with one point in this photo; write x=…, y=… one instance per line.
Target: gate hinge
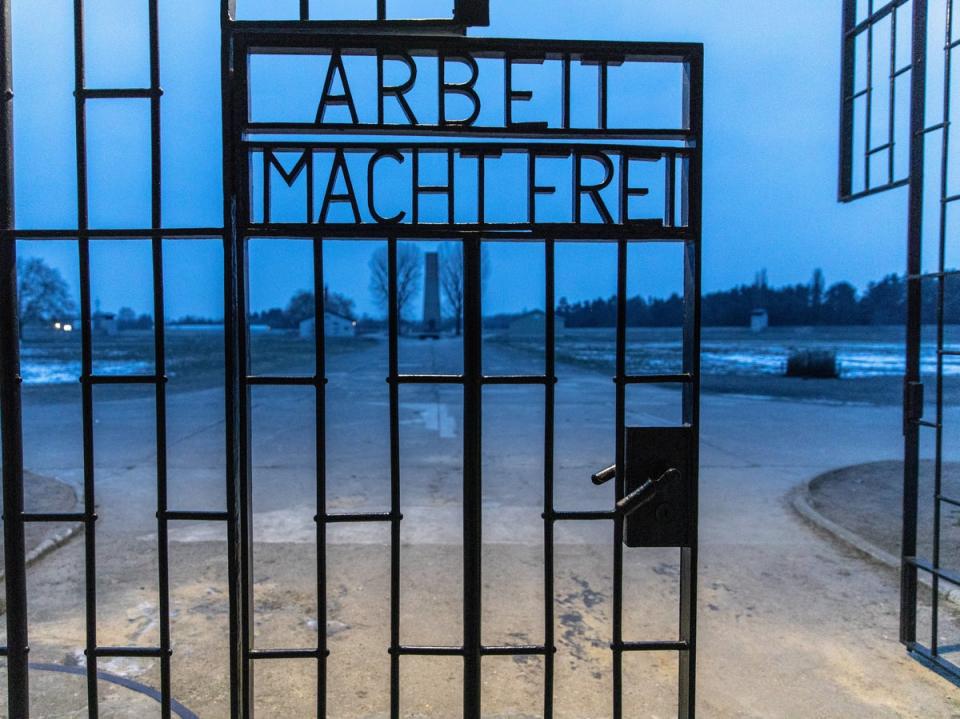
x=912, y=403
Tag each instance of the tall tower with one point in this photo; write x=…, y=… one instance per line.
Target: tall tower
x=431, y=293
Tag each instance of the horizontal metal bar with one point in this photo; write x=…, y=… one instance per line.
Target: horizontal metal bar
x=949, y=500
x=176, y=515
x=119, y=93
x=428, y=379
x=262, y=36
x=284, y=654
x=581, y=516
x=54, y=517
x=879, y=148
x=360, y=518
x=926, y=423
x=934, y=128
x=875, y=17
x=289, y=381
x=519, y=379
x=651, y=646
x=468, y=148
x=122, y=379
x=683, y=377
x=933, y=275
x=154, y=652
x=349, y=27
x=429, y=651
x=517, y=651
x=585, y=135
x=903, y=70
x=557, y=232
x=130, y=233
x=945, y=574
x=924, y=655
x=875, y=190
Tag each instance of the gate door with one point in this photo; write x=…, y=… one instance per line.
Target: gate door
x=404, y=135
x=898, y=91
x=654, y=472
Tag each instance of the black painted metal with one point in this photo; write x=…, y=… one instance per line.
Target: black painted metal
x=681, y=224
x=17, y=649
x=925, y=42
x=855, y=31
x=659, y=481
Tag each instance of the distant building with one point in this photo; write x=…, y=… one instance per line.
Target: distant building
x=334, y=325
x=759, y=320
x=533, y=324
x=431, y=294
x=105, y=323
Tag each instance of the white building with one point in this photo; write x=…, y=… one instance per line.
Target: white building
x=759, y=320
x=334, y=325
x=533, y=324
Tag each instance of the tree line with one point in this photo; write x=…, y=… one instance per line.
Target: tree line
x=45, y=297
x=883, y=302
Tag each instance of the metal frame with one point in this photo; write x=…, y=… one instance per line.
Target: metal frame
x=914, y=423
x=854, y=31
x=238, y=40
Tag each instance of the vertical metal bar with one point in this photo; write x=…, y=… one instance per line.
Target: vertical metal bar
x=393, y=322
x=11, y=433
x=891, y=110
x=550, y=371
x=620, y=414
x=381, y=9
x=869, y=114
x=156, y=222
x=691, y=211
x=472, y=476
x=847, y=75
x=245, y=432
x=304, y=9
x=86, y=363
x=941, y=298
x=911, y=464
x=319, y=337
x=239, y=686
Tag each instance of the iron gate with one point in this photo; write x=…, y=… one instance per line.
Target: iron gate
x=654, y=470
x=893, y=82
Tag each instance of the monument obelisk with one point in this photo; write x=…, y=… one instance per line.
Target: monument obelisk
x=431, y=294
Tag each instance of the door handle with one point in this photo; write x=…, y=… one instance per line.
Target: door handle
x=604, y=475
x=645, y=492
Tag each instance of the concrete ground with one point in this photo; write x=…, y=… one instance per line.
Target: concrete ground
x=791, y=625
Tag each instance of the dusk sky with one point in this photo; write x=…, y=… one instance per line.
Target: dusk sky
x=772, y=83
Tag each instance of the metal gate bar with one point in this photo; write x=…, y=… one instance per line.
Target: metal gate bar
x=915, y=424
x=11, y=434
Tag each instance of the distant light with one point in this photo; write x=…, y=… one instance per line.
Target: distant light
x=68, y=328
x=56, y=325
x=354, y=324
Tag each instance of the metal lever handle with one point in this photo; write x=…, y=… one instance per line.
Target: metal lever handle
x=604, y=475
x=644, y=493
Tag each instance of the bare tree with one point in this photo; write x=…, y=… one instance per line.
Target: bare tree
x=43, y=293
x=409, y=273
x=451, y=278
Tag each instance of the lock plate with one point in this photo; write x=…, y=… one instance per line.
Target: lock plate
x=664, y=521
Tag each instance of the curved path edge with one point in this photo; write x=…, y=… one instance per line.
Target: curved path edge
x=799, y=499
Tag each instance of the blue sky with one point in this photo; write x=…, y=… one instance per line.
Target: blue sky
x=771, y=108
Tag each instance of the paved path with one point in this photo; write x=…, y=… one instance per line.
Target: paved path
x=790, y=625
